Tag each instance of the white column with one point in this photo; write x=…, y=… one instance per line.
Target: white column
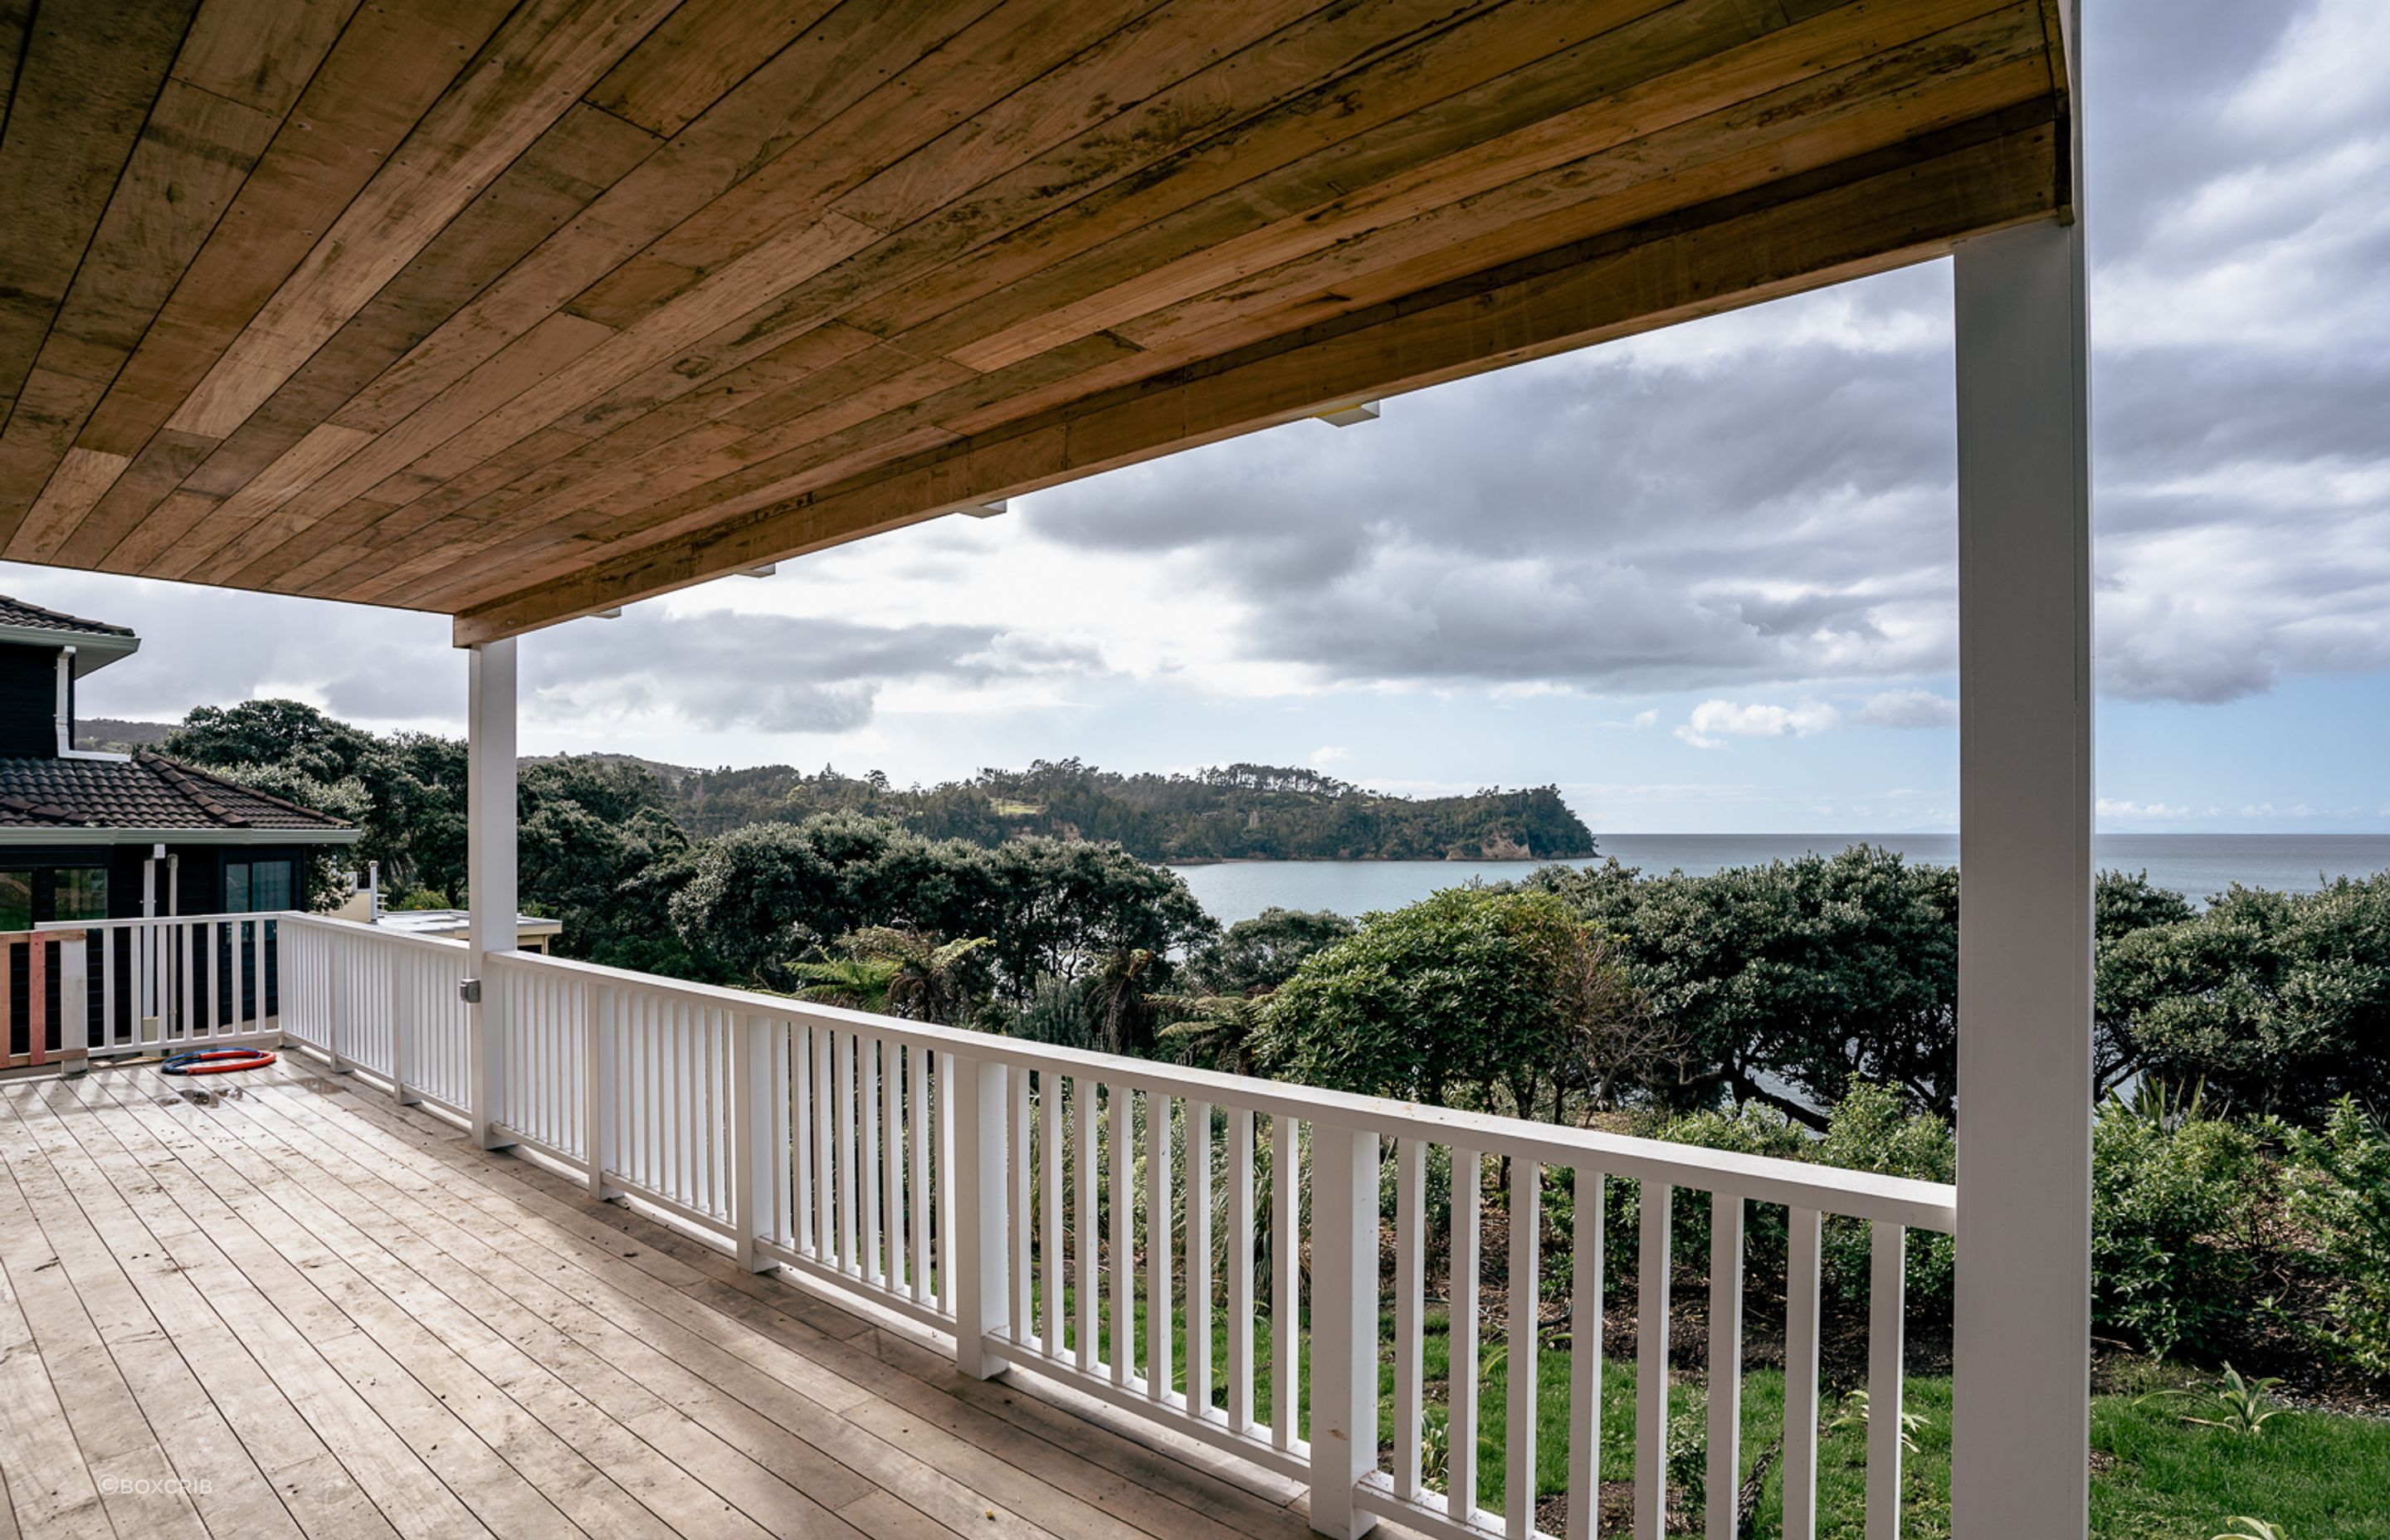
x=2025, y=921
x=489, y=858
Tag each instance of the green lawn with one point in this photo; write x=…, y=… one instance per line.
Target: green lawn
x=2316, y=1476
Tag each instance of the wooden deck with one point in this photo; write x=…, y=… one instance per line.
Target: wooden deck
x=297, y=1308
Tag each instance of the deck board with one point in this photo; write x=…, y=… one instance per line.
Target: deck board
x=328, y=1315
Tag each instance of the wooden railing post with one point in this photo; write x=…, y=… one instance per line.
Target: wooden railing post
x=402, y=1028
x=982, y=1291
x=1344, y=1323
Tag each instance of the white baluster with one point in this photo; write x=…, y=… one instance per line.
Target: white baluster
x=1052, y=1270
x=1519, y=1329
x=1240, y=1263
x=1726, y=1362
x=1084, y=1225
x=1887, y=1328
x=1460, y=1416
x=1158, y=1309
x=1198, y=1180
x=1124, y=1198
x=1652, y=1365
x=1802, y=1277
x=1584, y=1356
x=1410, y=1299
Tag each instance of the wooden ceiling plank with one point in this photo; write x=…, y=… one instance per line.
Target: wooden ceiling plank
x=157, y=534
x=82, y=478
x=977, y=68
x=1781, y=146
x=1811, y=107
x=153, y=475
x=194, y=153
x=1694, y=263
x=829, y=434
x=261, y=53
x=1844, y=100
x=1644, y=76
x=693, y=60
x=546, y=55
x=16, y=19
x=461, y=429
x=86, y=79
x=584, y=154
x=1148, y=138
x=554, y=459
x=384, y=71
x=249, y=524
x=1430, y=63
x=776, y=110
x=1129, y=139
x=824, y=458
x=307, y=461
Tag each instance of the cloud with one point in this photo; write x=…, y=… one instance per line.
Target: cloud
x=1713, y=722
x=1329, y=754
x=1646, y=719
x=772, y=674
x=1909, y=709
x=2113, y=807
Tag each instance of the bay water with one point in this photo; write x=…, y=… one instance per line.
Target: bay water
x=2193, y=865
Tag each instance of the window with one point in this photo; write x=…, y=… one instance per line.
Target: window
x=16, y=901
x=80, y=893
x=254, y=887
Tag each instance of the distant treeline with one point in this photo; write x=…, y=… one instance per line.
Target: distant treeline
x=1243, y=811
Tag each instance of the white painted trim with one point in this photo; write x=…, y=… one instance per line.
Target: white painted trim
x=488, y=863
x=50, y=834
x=2023, y=1318
x=94, y=649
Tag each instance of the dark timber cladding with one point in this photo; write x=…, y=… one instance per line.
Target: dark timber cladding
x=514, y=309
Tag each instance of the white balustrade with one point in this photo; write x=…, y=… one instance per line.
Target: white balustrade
x=1068, y=1213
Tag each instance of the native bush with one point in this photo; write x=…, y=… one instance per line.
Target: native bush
x=2174, y=1206
x=2338, y=1190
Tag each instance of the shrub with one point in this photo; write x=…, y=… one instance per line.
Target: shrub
x=1874, y=1130
x=2338, y=1189
x=2173, y=1222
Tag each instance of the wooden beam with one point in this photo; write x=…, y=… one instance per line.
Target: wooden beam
x=1882, y=211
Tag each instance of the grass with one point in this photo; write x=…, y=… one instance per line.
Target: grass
x=2317, y=1476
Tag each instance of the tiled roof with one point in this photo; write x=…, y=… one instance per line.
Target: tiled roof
x=147, y=792
x=32, y=617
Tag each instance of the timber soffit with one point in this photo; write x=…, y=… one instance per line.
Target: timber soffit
x=515, y=311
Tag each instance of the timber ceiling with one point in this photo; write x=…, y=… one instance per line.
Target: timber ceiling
x=514, y=309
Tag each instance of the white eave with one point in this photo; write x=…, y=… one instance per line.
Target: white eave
x=93, y=648
x=58, y=834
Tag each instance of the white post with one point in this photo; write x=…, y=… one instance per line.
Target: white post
x=2023, y=1323
x=489, y=862
x=1343, y=1324
x=982, y=1289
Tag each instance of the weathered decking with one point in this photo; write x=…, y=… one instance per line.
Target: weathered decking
x=294, y=1309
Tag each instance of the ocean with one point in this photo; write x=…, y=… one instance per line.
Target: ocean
x=2194, y=865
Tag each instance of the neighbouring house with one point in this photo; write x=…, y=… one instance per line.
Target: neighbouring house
x=85, y=835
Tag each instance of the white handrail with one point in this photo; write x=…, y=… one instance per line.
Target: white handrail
x=961, y=1179
x=1864, y=1195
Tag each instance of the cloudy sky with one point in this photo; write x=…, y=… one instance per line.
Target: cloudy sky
x=1704, y=580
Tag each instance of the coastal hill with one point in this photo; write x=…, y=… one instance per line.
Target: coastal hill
x=1236, y=812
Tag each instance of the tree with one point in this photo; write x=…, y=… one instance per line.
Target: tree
x=1792, y=981
x=898, y=973
x=2279, y=1003
x=288, y=733
x=1452, y=999
x=1255, y=956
